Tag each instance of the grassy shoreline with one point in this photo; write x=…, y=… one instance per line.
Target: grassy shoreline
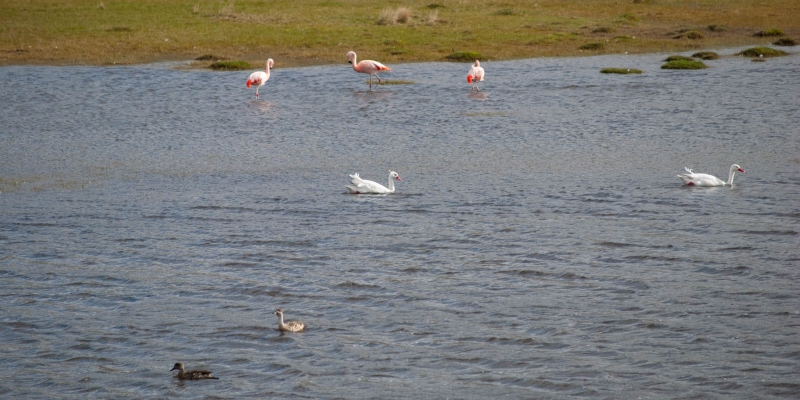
x=314, y=32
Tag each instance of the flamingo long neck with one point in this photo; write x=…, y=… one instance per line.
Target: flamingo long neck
x=355, y=64
x=730, y=175
x=391, y=184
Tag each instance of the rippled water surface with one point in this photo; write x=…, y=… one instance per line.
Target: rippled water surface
x=538, y=246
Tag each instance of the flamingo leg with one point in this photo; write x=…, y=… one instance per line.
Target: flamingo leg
x=370, y=81
x=379, y=78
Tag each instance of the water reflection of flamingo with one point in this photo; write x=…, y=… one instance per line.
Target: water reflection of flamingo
x=475, y=75
x=366, y=67
x=260, y=77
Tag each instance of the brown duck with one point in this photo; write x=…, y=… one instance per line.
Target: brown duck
x=196, y=374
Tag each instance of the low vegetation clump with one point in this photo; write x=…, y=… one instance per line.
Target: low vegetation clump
x=622, y=71
x=506, y=11
x=706, y=55
x=230, y=65
x=689, y=34
x=210, y=57
x=769, y=32
x=391, y=17
x=761, y=52
x=678, y=58
x=603, y=29
x=592, y=46
x=684, y=64
x=717, y=28
x=464, y=56
x=785, y=42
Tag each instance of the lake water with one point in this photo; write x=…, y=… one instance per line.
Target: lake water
x=538, y=246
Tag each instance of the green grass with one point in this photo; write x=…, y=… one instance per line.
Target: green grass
x=464, y=56
x=621, y=71
x=231, y=65
x=592, y=46
x=769, y=32
x=761, y=52
x=684, y=64
x=678, y=58
x=323, y=31
x=706, y=55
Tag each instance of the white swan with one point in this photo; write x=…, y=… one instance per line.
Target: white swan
x=692, y=179
x=291, y=326
x=362, y=186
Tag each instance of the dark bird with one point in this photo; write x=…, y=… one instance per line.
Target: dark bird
x=196, y=374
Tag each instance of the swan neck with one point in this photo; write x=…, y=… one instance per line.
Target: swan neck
x=391, y=184
x=731, y=173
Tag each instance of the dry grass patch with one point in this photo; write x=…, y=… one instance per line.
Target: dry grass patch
x=390, y=16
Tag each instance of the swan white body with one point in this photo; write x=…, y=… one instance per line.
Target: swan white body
x=366, y=67
x=259, y=78
x=692, y=179
x=363, y=186
x=475, y=75
x=291, y=326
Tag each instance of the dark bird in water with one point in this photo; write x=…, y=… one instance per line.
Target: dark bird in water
x=196, y=374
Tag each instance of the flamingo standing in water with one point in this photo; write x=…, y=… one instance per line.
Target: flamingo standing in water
x=260, y=77
x=475, y=75
x=366, y=67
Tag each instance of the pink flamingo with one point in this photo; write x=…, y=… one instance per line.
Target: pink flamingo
x=260, y=77
x=366, y=67
x=475, y=75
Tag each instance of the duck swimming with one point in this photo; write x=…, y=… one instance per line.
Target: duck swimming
x=291, y=326
x=196, y=374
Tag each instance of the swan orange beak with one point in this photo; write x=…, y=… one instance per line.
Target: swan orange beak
x=741, y=170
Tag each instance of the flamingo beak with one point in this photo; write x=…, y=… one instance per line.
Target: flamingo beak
x=741, y=170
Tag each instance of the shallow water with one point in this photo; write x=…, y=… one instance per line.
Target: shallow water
x=539, y=245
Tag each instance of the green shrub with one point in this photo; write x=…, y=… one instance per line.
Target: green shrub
x=769, y=32
x=706, y=55
x=683, y=64
x=761, y=52
x=230, y=65
x=678, y=58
